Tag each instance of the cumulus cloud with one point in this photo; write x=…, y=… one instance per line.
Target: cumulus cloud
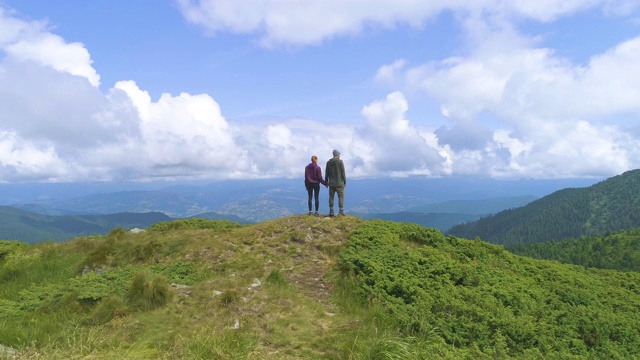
x=389, y=145
x=58, y=126
x=550, y=117
x=509, y=107
x=53, y=114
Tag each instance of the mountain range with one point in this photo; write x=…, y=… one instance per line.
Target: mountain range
x=439, y=203
x=607, y=206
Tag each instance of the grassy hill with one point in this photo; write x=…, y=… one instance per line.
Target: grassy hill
x=304, y=287
x=608, y=206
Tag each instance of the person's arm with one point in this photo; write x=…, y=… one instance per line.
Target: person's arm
x=344, y=174
x=319, y=175
x=326, y=173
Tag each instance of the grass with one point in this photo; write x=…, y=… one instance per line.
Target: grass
x=261, y=291
x=303, y=287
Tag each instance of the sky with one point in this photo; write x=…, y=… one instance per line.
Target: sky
x=167, y=90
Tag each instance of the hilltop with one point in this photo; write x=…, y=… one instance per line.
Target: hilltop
x=608, y=206
x=304, y=287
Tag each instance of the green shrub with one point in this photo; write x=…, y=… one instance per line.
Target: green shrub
x=141, y=251
x=183, y=272
x=8, y=247
x=16, y=263
x=276, y=278
x=117, y=234
x=99, y=254
x=108, y=308
x=148, y=291
x=487, y=301
x=229, y=297
x=420, y=234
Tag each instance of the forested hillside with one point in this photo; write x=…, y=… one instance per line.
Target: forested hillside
x=16, y=224
x=305, y=287
x=617, y=251
x=610, y=205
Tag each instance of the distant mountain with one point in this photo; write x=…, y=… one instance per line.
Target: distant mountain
x=17, y=224
x=445, y=215
x=387, y=204
x=174, y=205
x=610, y=205
x=440, y=221
x=477, y=207
x=259, y=200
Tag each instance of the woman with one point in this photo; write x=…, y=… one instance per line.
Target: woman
x=312, y=181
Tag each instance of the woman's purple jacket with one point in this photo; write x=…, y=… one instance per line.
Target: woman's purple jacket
x=313, y=175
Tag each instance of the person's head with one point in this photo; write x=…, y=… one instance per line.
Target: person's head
x=314, y=159
x=336, y=153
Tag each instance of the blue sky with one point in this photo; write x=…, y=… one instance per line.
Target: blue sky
x=176, y=90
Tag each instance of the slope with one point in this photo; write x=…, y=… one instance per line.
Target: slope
x=610, y=205
x=305, y=287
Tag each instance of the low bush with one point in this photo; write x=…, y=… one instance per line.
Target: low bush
x=148, y=291
x=193, y=224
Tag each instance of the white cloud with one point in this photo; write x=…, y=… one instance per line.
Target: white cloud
x=389, y=144
x=549, y=117
x=58, y=126
x=51, y=50
x=24, y=161
x=311, y=22
x=390, y=72
x=305, y=22
x=24, y=41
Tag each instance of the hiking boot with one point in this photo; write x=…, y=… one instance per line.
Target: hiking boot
x=310, y=213
x=341, y=213
x=316, y=214
x=331, y=214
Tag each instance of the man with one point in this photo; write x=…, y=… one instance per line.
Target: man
x=337, y=180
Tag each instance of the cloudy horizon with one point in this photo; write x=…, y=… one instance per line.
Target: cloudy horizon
x=218, y=89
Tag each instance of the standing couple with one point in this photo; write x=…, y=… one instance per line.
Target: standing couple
x=336, y=180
